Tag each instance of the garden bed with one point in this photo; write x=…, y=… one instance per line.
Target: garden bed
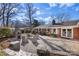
x=2, y=53
x=5, y=38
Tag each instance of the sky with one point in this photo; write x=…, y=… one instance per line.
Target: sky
x=46, y=10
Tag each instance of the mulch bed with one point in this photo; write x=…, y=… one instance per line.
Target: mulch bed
x=5, y=38
x=4, y=42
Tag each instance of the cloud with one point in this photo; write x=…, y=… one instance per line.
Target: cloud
x=77, y=9
x=61, y=4
x=48, y=18
x=14, y=9
x=39, y=18
x=66, y=5
x=48, y=8
x=38, y=12
x=36, y=8
x=52, y=4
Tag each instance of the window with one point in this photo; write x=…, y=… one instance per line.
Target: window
x=69, y=33
x=54, y=30
x=64, y=32
x=48, y=29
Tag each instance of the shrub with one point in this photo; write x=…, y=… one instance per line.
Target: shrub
x=33, y=32
x=28, y=31
x=5, y=32
x=2, y=53
x=53, y=35
x=22, y=31
x=48, y=33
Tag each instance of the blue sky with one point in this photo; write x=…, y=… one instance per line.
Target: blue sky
x=46, y=10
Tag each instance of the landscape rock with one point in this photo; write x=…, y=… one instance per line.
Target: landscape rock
x=15, y=47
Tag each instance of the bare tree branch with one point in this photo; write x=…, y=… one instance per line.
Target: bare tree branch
x=30, y=12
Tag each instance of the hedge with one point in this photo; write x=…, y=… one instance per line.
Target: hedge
x=5, y=32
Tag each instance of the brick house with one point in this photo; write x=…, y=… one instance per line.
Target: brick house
x=67, y=29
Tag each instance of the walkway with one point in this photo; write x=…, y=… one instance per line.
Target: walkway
x=69, y=46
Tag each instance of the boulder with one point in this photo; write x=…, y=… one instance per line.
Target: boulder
x=15, y=47
x=42, y=52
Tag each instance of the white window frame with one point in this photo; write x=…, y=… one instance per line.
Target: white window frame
x=66, y=33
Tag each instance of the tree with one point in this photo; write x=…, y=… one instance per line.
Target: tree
x=3, y=8
x=6, y=12
x=30, y=12
x=41, y=22
x=63, y=17
x=10, y=12
x=35, y=23
x=53, y=22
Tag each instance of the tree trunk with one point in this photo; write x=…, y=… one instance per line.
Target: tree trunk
x=3, y=16
x=7, y=21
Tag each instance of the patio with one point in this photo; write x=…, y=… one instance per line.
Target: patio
x=56, y=46
x=71, y=46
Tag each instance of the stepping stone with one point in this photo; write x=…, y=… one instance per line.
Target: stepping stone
x=10, y=52
x=34, y=41
x=14, y=42
x=24, y=41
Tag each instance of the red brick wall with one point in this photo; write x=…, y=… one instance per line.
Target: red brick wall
x=76, y=33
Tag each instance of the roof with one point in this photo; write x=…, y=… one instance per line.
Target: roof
x=65, y=23
x=44, y=26
x=70, y=23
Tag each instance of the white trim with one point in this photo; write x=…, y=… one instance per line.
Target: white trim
x=59, y=27
x=56, y=31
x=62, y=33
x=72, y=33
x=62, y=27
x=67, y=32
